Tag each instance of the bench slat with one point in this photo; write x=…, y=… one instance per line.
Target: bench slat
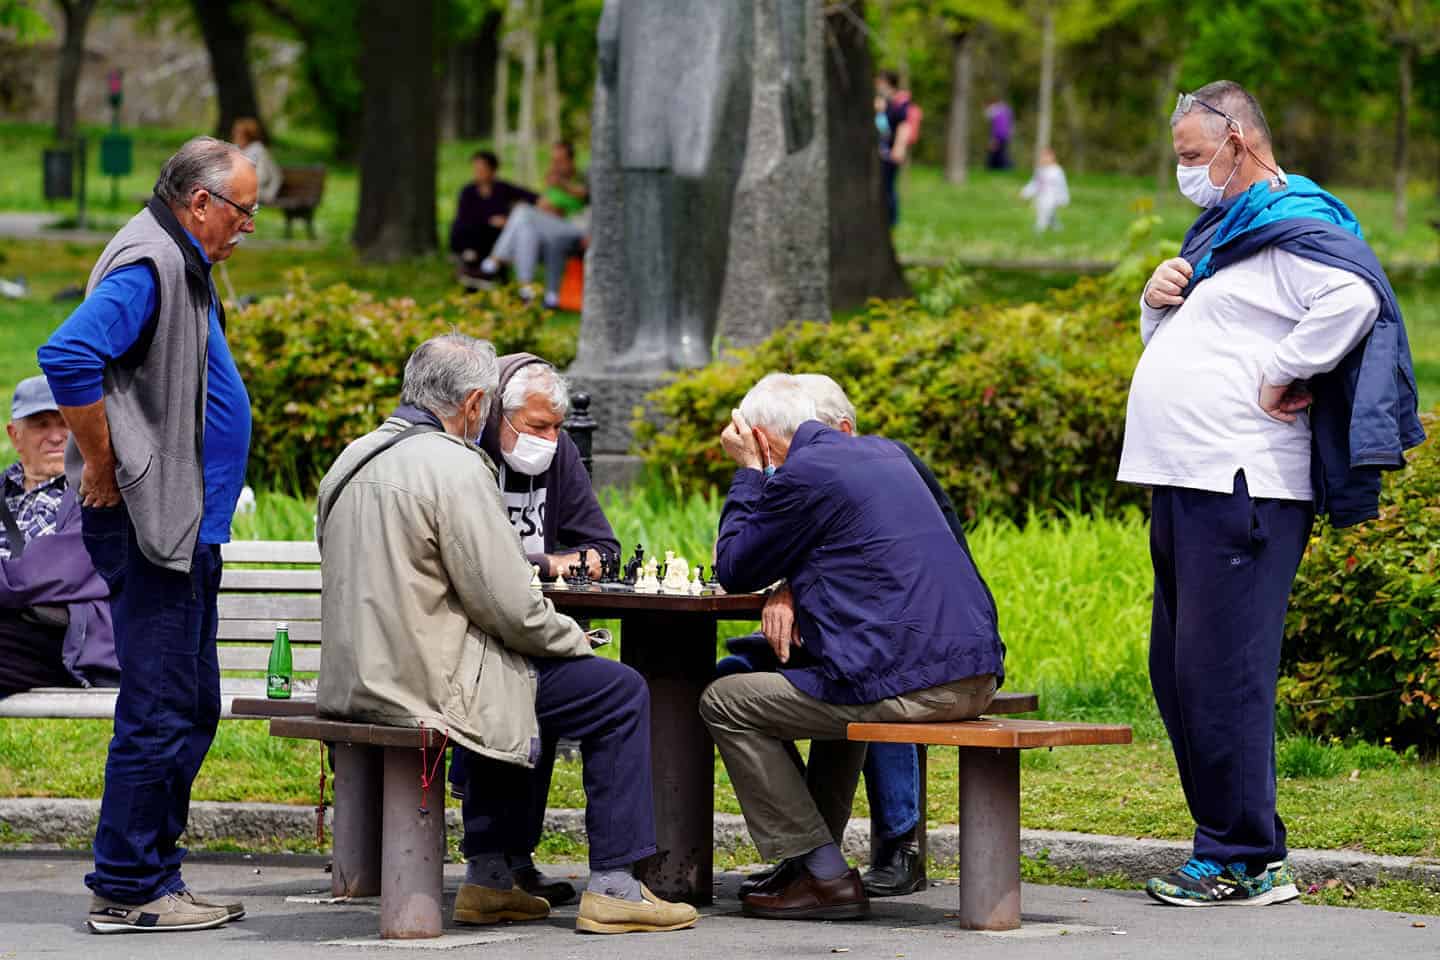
x=302, y=632
x=336, y=731
x=235, y=657
x=271, y=551
x=267, y=708
x=1002, y=734
x=299, y=581
x=271, y=607
x=98, y=703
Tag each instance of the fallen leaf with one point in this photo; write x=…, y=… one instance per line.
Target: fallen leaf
x=1118, y=933
x=1084, y=899
x=839, y=949
x=1418, y=923
x=1354, y=775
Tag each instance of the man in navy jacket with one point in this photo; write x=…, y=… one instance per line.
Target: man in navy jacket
x=892, y=623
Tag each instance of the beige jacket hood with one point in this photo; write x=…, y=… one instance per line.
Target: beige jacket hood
x=427, y=611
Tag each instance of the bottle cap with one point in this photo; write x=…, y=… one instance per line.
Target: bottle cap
x=282, y=625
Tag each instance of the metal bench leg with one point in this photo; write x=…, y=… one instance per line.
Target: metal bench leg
x=989, y=838
x=355, y=871
x=413, y=849
x=922, y=831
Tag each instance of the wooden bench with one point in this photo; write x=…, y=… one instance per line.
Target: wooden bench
x=989, y=781
x=251, y=600
x=300, y=191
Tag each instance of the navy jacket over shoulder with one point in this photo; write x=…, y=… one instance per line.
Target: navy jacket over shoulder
x=886, y=601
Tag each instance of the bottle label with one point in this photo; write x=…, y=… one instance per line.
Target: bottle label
x=277, y=686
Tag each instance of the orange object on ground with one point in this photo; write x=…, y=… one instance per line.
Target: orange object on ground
x=572, y=285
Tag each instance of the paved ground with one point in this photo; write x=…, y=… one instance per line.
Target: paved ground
x=43, y=901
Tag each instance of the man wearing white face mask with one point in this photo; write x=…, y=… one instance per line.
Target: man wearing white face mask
x=553, y=509
x=1275, y=384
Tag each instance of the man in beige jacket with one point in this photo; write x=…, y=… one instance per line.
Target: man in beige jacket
x=429, y=617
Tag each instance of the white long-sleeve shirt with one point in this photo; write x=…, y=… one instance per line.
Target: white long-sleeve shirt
x=1194, y=416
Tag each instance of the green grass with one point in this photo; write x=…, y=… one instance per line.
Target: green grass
x=985, y=218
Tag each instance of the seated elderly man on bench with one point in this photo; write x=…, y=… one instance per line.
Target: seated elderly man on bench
x=430, y=619
x=893, y=623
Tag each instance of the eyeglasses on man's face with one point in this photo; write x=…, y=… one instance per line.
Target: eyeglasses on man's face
x=1188, y=101
x=247, y=212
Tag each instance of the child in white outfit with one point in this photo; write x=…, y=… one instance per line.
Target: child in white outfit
x=1048, y=191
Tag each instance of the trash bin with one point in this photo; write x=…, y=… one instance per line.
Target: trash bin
x=59, y=168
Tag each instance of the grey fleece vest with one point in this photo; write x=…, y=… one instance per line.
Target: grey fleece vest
x=156, y=406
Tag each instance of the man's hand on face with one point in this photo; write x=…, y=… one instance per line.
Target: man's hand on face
x=1167, y=282
x=1282, y=403
x=777, y=622
x=738, y=439
x=497, y=221
x=98, y=487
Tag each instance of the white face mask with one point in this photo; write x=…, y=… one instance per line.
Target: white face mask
x=1195, y=183
x=532, y=455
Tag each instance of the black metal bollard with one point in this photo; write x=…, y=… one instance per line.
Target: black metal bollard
x=581, y=427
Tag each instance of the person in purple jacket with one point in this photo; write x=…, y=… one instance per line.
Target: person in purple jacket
x=553, y=509
x=54, y=608
x=892, y=623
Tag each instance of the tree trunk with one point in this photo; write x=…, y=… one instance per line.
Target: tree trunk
x=957, y=134
x=72, y=58
x=500, y=114
x=1402, y=133
x=1074, y=128
x=1164, y=144
x=525, y=132
x=227, y=38
x=553, y=129
x=862, y=256
x=1046, y=110
x=478, y=101
x=398, y=146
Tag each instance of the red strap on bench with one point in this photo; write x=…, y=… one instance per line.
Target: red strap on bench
x=427, y=769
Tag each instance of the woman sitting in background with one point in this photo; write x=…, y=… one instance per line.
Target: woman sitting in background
x=245, y=134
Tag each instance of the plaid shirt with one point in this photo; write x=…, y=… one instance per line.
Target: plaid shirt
x=34, y=510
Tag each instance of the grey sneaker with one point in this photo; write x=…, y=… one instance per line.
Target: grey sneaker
x=236, y=909
x=167, y=914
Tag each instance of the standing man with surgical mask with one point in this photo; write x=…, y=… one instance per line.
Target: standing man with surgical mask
x=553, y=509
x=1275, y=384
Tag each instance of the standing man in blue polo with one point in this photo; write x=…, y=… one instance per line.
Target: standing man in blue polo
x=1275, y=383
x=158, y=414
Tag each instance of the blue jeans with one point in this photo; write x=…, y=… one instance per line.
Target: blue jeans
x=892, y=770
x=165, y=713
x=606, y=706
x=1224, y=563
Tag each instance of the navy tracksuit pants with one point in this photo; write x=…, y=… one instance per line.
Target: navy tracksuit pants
x=1224, y=565
x=165, y=713
x=606, y=706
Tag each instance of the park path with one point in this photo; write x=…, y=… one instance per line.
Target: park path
x=43, y=902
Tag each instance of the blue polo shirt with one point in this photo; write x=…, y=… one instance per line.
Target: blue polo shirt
x=109, y=323
x=887, y=601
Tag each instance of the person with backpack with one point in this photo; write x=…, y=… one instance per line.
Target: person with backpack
x=898, y=134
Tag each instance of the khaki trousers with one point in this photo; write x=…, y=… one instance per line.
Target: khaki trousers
x=753, y=716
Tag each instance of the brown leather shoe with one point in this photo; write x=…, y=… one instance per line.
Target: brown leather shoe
x=807, y=897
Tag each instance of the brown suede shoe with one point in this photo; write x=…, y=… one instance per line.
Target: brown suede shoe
x=478, y=906
x=807, y=897
x=602, y=914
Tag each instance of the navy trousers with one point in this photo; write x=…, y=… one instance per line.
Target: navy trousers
x=606, y=706
x=1224, y=565
x=165, y=713
x=892, y=770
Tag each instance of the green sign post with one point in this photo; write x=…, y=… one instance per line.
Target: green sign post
x=117, y=154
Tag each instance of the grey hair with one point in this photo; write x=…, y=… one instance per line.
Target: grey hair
x=832, y=406
x=444, y=370
x=779, y=403
x=1230, y=98
x=535, y=378
x=203, y=163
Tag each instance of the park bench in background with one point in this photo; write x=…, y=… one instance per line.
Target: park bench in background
x=989, y=815
x=251, y=600
x=300, y=191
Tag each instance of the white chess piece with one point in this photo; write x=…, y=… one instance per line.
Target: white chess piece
x=535, y=583
x=697, y=586
x=648, y=582
x=677, y=574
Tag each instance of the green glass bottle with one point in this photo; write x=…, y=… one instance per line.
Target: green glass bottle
x=281, y=671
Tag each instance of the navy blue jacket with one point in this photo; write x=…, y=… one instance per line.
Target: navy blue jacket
x=886, y=600
x=1365, y=415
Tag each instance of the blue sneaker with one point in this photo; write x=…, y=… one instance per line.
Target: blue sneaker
x=1205, y=883
x=1282, y=881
